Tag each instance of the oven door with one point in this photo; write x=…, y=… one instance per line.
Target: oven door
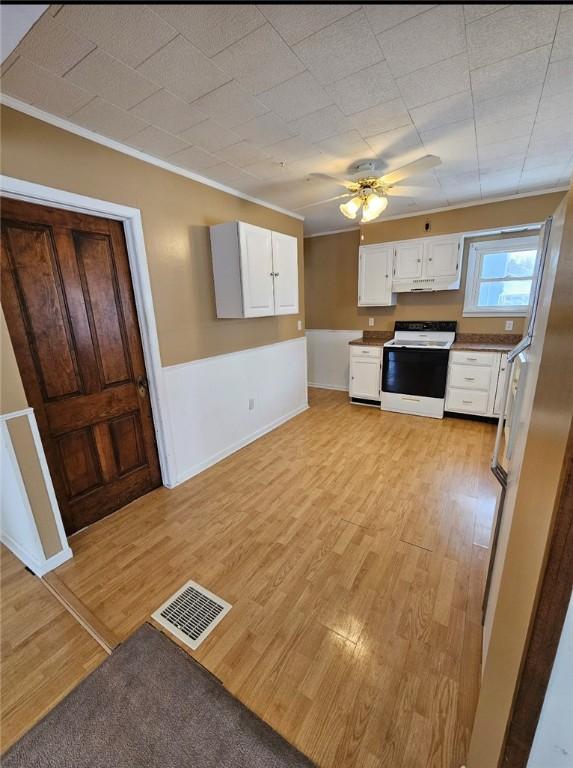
x=414, y=371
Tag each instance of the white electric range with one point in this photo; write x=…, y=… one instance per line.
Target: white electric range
x=415, y=367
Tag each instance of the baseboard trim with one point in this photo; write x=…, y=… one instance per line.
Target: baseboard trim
x=327, y=386
x=217, y=457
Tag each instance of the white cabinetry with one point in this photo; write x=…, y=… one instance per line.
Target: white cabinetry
x=365, y=373
x=255, y=271
x=427, y=264
x=375, y=276
x=475, y=382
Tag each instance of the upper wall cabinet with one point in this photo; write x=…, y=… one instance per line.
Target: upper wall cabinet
x=427, y=264
x=375, y=276
x=255, y=271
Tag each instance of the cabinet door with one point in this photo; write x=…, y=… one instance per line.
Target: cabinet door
x=285, y=268
x=498, y=405
x=375, y=276
x=256, y=270
x=441, y=257
x=365, y=378
x=408, y=260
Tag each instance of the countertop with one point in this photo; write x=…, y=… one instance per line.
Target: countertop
x=472, y=342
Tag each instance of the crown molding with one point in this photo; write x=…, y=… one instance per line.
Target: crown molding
x=85, y=133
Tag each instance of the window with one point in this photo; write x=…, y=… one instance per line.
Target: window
x=501, y=276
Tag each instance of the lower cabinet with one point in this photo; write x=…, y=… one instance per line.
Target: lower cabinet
x=365, y=373
x=475, y=382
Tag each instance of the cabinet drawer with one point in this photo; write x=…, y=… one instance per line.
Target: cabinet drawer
x=470, y=377
x=472, y=358
x=467, y=401
x=358, y=351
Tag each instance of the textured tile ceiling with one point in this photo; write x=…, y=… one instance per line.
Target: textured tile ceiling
x=259, y=97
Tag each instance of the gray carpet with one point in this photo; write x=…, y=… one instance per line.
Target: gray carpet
x=150, y=706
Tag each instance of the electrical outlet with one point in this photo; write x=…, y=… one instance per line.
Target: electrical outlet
x=370, y=321
x=509, y=325
x=251, y=403
x=299, y=325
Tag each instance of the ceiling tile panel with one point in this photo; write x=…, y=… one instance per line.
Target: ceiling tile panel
x=372, y=85
x=211, y=27
x=425, y=39
x=108, y=120
x=452, y=109
x=559, y=77
x=181, y=68
x=296, y=21
x=228, y=174
x=437, y=81
x=321, y=124
x=513, y=30
x=562, y=159
x=33, y=85
x=515, y=105
x=264, y=130
x=54, y=46
x=383, y=117
x=195, y=159
x=231, y=105
x=168, y=112
x=501, y=130
x=500, y=183
x=475, y=11
x=383, y=17
x=111, y=79
x=260, y=60
x=341, y=49
x=154, y=141
x=396, y=143
x=130, y=33
x=510, y=75
x=297, y=97
x=242, y=154
x=563, y=43
x=500, y=150
x=349, y=144
x=210, y=135
x=556, y=105
x=291, y=150
x=455, y=144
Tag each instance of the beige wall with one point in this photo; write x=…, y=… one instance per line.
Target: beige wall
x=331, y=268
x=535, y=503
x=176, y=214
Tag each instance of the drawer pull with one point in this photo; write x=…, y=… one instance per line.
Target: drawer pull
x=411, y=399
x=469, y=378
x=467, y=402
x=365, y=351
x=471, y=358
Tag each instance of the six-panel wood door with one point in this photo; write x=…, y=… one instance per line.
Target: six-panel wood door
x=69, y=306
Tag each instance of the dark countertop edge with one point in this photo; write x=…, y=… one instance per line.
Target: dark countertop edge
x=473, y=346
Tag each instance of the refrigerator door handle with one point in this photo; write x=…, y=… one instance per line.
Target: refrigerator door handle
x=498, y=471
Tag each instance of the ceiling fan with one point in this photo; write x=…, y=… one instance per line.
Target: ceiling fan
x=370, y=192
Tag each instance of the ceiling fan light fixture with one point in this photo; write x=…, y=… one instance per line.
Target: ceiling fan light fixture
x=351, y=208
x=374, y=205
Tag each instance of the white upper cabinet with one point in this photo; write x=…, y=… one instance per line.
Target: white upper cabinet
x=427, y=264
x=285, y=268
x=441, y=257
x=375, y=276
x=255, y=271
x=408, y=258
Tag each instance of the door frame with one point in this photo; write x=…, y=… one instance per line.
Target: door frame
x=30, y=192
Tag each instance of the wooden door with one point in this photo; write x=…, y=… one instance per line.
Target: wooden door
x=69, y=306
x=256, y=270
x=408, y=260
x=285, y=268
x=375, y=276
x=441, y=257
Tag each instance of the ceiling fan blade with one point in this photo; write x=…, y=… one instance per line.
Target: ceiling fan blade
x=321, y=202
x=338, y=179
x=418, y=166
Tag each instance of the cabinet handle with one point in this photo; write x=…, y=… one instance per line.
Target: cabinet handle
x=411, y=399
x=430, y=259
x=471, y=358
x=365, y=352
x=276, y=274
x=469, y=378
x=467, y=402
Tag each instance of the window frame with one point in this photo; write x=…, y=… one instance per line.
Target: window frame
x=477, y=250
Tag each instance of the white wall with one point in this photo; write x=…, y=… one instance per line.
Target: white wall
x=208, y=401
x=328, y=357
x=18, y=529
x=553, y=742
